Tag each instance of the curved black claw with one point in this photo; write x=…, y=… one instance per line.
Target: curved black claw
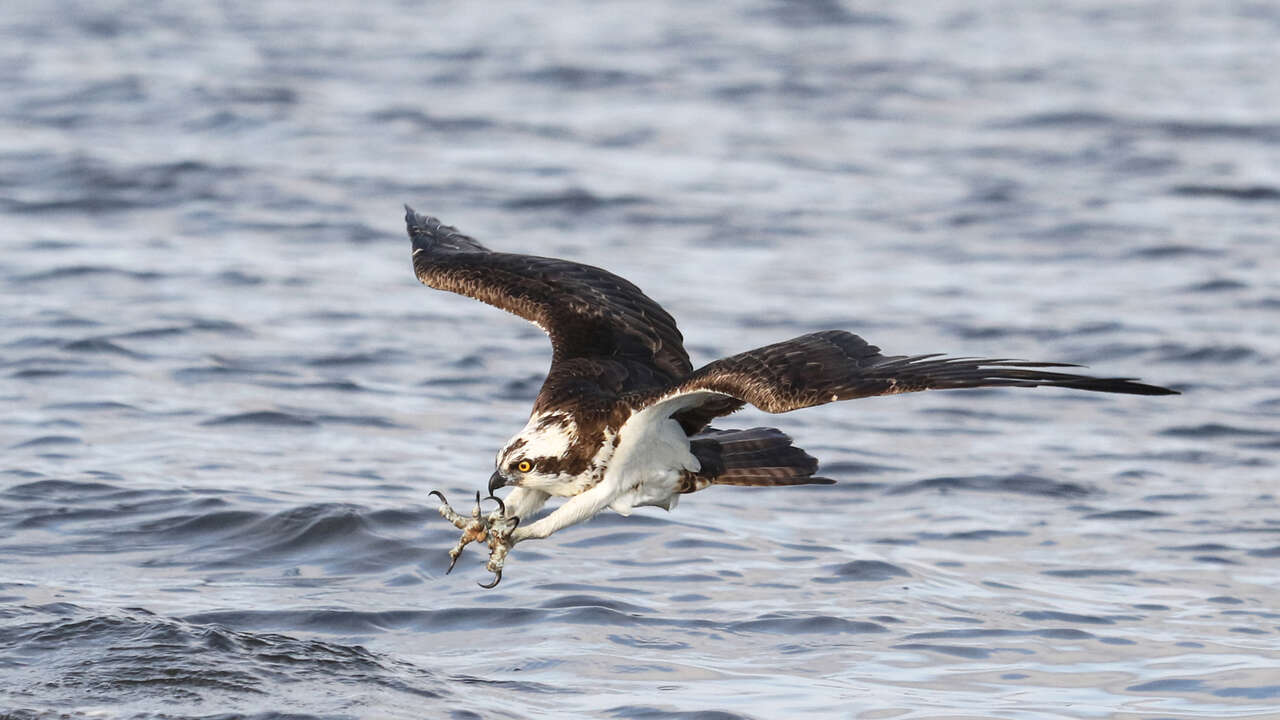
x=452, y=562
x=438, y=494
x=515, y=523
x=501, y=505
x=497, y=578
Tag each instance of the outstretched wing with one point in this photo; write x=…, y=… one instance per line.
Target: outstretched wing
x=833, y=365
x=606, y=335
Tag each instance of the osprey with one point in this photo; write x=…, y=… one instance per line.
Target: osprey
x=622, y=420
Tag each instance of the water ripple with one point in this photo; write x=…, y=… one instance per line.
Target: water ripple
x=226, y=395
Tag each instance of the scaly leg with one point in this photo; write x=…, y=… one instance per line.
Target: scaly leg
x=473, y=528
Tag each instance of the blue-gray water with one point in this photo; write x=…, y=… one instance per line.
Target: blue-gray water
x=225, y=397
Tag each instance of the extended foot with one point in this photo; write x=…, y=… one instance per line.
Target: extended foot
x=494, y=528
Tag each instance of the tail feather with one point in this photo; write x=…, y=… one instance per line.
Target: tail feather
x=762, y=457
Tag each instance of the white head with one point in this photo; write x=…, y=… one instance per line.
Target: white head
x=549, y=455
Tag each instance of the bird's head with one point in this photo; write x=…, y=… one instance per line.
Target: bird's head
x=543, y=456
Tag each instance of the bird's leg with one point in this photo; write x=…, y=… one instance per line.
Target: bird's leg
x=575, y=510
x=500, y=543
x=498, y=529
x=503, y=536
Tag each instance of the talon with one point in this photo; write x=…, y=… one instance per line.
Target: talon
x=494, y=529
x=502, y=507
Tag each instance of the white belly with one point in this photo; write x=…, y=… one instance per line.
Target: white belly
x=652, y=453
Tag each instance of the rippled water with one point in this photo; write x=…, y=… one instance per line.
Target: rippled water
x=226, y=396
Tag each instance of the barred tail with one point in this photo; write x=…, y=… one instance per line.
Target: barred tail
x=756, y=456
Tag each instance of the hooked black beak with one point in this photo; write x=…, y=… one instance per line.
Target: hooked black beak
x=496, y=481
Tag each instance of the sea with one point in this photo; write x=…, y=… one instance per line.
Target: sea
x=224, y=396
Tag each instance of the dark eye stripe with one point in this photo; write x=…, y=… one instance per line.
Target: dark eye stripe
x=550, y=465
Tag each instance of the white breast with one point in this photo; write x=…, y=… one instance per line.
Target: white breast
x=652, y=453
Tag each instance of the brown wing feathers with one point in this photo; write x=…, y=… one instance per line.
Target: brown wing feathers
x=611, y=342
x=605, y=333
x=835, y=365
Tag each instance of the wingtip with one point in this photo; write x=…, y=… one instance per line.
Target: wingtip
x=427, y=233
x=1132, y=386
x=413, y=220
x=1128, y=386
x=421, y=233
x=422, y=228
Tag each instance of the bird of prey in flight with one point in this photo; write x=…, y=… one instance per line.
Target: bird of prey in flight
x=623, y=418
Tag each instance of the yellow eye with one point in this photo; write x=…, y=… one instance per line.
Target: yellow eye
x=524, y=466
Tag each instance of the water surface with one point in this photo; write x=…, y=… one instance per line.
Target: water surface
x=226, y=397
